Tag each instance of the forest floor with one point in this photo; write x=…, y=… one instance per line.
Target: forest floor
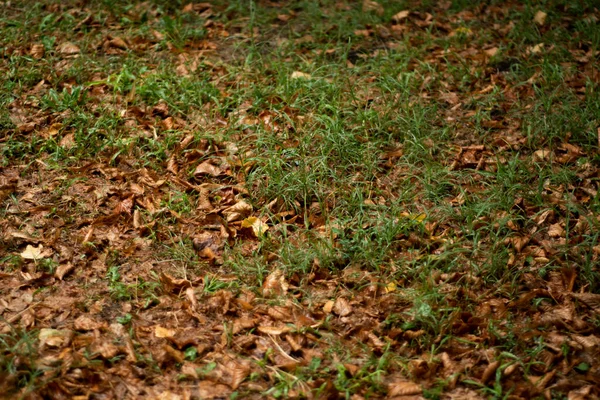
x=299, y=199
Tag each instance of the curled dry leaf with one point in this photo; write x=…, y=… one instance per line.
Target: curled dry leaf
x=342, y=307
x=63, y=270
x=400, y=16
x=273, y=330
x=275, y=284
x=37, y=51
x=206, y=168
x=589, y=299
x=68, y=49
x=238, y=211
x=490, y=371
x=404, y=388
x=118, y=43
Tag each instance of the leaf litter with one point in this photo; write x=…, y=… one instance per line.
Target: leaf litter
x=117, y=277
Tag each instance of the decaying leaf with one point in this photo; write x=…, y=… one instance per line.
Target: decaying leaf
x=37, y=51
x=399, y=16
x=273, y=330
x=68, y=49
x=54, y=337
x=342, y=307
x=404, y=388
x=275, y=284
x=206, y=168
x=371, y=5
x=238, y=211
x=161, y=332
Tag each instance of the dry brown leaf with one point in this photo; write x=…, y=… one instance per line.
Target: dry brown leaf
x=206, y=168
x=63, y=270
x=161, y=332
x=37, y=51
x=404, y=388
x=68, y=49
x=85, y=323
x=370, y=5
x=238, y=211
x=328, y=307
x=542, y=155
x=273, y=330
x=68, y=141
x=538, y=48
x=589, y=299
x=399, y=16
x=342, y=307
x=556, y=230
x=118, y=43
x=490, y=371
x=275, y=284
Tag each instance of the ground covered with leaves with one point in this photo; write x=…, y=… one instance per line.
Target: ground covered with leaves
x=273, y=199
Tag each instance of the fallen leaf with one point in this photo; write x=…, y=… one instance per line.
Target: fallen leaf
x=540, y=18
x=68, y=141
x=400, y=15
x=275, y=284
x=161, y=332
x=68, y=49
x=206, y=168
x=63, y=270
x=37, y=51
x=328, y=307
x=118, y=43
x=370, y=5
x=390, y=287
x=342, y=307
x=273, y=330
x=541, y=155
x=404, y=388
x=300, y=75
x=85, y=323
x=238, y=211
x=35, y=253
x=537, y=48
x=54, y=337
x=258, y=227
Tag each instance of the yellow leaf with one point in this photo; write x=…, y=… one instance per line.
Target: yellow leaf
x=415, y=217
x=258, y=227
x=390, y=287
